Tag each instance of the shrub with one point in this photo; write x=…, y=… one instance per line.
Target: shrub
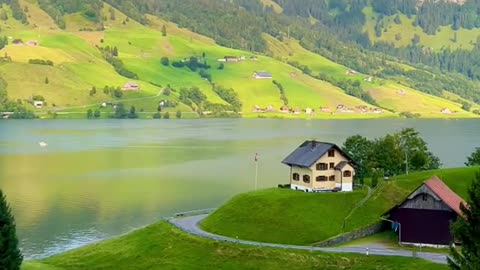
x=178, y=114
x=40, y=62
x=166, y=115
x=157, y=115
x=165, y=61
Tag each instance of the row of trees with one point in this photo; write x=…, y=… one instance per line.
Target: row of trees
x=111, y=55
x=394, y=154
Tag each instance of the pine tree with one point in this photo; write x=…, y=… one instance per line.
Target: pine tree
x=46, y=80
x=10, y=255
x=467, y=230
x=164, y=30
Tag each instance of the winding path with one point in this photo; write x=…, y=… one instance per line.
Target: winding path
x=190, y=225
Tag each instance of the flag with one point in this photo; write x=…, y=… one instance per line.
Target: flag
x=256, y=157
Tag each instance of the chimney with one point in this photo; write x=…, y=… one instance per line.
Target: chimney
x=314, y=144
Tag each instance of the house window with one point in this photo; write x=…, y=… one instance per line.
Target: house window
x=321, y=178
x=331, y=153
x=424, y=196
x=322, y=166
x=296, y=176
x=347, y=174
x=306, y=178
x=332, y=165
x=331, y=178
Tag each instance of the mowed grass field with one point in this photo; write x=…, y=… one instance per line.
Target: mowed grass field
x=161, y=246
x=444, y=37
x=292, y=217
x=283, y=216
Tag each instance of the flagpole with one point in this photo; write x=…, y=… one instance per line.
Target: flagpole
x=256, y=174
x=256, y=170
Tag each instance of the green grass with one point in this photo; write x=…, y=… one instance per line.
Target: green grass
x=79, y=66
x=291, y=217
x=442, y=38
x=161, y=246
x=389, y=239
x=383, y=91
x=283, y=216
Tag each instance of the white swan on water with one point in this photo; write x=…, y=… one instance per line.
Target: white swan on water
x=43, y=144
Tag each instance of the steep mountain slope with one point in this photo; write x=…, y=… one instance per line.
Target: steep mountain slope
x=388, y=94
x=155, y=55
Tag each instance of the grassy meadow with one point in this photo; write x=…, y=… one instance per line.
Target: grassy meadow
x=161, y=246
x=385, y=92
x=443, y=38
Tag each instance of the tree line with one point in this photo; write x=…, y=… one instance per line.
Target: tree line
x=402, y=152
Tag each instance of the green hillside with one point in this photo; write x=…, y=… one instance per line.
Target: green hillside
x=79, y=66
x=161, y=246
x=385, y=92
x=286, y=216
x=401, y=34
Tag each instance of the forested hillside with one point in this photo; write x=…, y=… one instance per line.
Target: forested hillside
x=349, y=39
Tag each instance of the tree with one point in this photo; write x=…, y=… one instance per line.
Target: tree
x=466, y=106
x=474, y=158
x=178, y=114
x=115, y=51
x=415, y=40
x=467, y=230
x=159, y=108
x=221, y=66
x=167, y=91
x=415, y=151
x=132, y=114
x=3, y=15
x=164, y=30
x=397, y=19
x=96, y=114
x=93, y=91
x=166, y=115
x=359, y=149
x=89, y=114
x=46, y=80
x=164, y=60
x=10, y=255
x=120, y=111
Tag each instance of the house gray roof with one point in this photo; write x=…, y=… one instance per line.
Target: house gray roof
x=310, y=151
x=307, y=153
x=263, y=74
x=341, y=165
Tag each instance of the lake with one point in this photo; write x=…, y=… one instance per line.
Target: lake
x=98, y=179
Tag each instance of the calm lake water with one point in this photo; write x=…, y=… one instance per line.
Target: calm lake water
x=98, y=179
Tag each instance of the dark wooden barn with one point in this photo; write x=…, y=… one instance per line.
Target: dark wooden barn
x=424, y=217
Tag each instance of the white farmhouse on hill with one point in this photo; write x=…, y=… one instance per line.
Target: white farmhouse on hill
x=319, y=166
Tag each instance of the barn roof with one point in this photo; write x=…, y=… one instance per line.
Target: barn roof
x=449, y=197
x=263, y=74
x=442, y=191
x=309, y=152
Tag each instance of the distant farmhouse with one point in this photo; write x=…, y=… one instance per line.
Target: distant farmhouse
x=131, y=86
x=231, y=59
x=262, y=75
x=32, y=43
x=17, y=42
x=319, y=166
x=424, y=217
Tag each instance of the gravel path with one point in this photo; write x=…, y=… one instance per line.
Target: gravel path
x=190, y=225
